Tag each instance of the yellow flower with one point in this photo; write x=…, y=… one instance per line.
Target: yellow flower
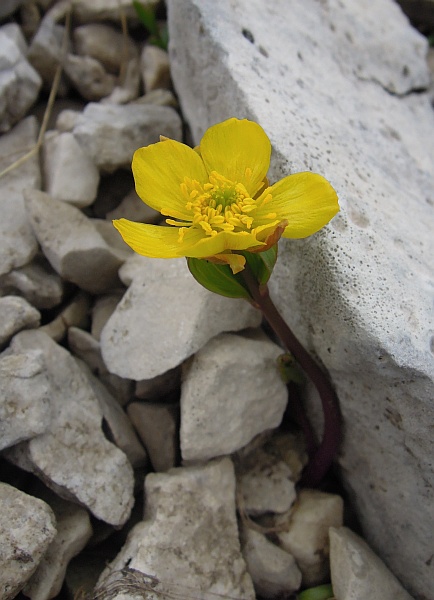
x=218, y=198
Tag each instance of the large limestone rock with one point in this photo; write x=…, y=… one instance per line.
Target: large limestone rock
x=335, y=91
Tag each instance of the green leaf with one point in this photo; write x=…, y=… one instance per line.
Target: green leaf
x=147, y=17
x=262, y=263
x=321, y=592
x=217, y=278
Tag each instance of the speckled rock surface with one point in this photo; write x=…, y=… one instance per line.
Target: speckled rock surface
x=336, y=92
x=174, y=545
x=27, y=526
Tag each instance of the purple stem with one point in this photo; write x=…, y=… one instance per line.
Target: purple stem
x=322, y=458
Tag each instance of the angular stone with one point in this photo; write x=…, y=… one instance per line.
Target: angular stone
x=37, y=282
x=116, y=421
x=102, y=310
x=27, y=526
x=164, y=317
x=45, y=53
x=105, y=44
x=306, y=533
x=349, y=105
x=72, y=244
x=111, y=133
x=19, y=82
x=157, y=426
x=69, y=173
x=357, y=572
x=231, y=391
x=88, y=349
x=265, y=481
x=88, y=77
x=24, y=398
x=174, y=545
x=17, y=314
x=73, y=532
x=17, y=241
x=274, y=572
x=73, y=458
x=155, y=68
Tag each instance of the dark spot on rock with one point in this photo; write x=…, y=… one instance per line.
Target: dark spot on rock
x=248, y=35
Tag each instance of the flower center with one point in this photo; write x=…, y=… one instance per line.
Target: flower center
x=219, y=205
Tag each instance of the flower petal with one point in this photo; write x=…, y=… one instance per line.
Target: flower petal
x=238, y=150
x=156, y=241
x=236, y=262
x=221, y=243
x=306, y=200
x=159, y=170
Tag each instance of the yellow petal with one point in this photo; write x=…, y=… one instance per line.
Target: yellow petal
x=238, y=150
x=236, y=262
x=159, y=170
x=156, y=241
x=221, y=243
x=306, y=200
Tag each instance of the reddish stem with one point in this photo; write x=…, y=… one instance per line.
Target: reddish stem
x=322, y=458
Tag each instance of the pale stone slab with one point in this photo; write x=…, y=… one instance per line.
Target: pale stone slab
x=357, y=572
x=164, y=317
x=188, y=512
x=27, y=526
x=69, y=173
x=231, y=391
x=73, y=458
x=306, y=533
x=72, y=244
x=16, y=314
x=274, y=572
x=111, y=134
x=73, y=532
x=335, y=92
x=18, y=243
x=24, y=398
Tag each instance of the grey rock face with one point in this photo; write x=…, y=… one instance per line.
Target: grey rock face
x=231, y=392
x=111, y=133
x=72, y=244
x=105, y=44
x=358, y=293
x=27, y=526
x=73, y=458
x=89, y=77
x=24, y=398
x=174, y=545
x=357, y=573
x=17, y=241
x=164, y=317
x=45, y=52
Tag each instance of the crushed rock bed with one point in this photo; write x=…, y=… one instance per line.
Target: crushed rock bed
x=144, y=436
